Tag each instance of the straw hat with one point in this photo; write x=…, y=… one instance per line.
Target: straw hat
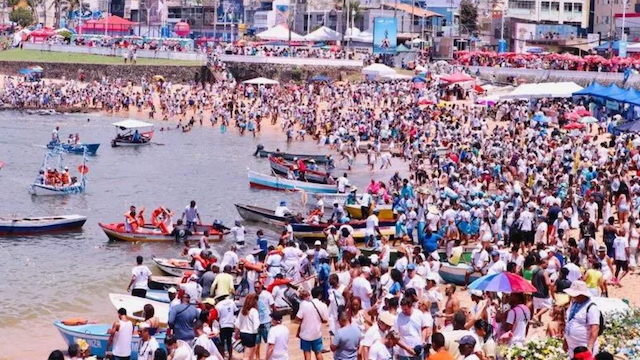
x=578, y=288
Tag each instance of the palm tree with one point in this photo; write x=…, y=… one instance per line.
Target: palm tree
x=356, y=8
x=35, y=5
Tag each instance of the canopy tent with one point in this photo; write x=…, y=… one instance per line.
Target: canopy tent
x=544, y=90
x=41, y=35
x=605, y=46
x=113, y=24
x=611, y=92
x=352, y=31
x=378, y=70
x=396, y=77
x=281, y=33
x=261, y=81
x=631, y=126
x=403, y=49
x=594, y=90
x=323, y=34
x=132, y=124
x=456, y=78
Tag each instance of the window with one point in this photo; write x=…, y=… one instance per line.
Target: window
x=568, y=7
x=545, y=6
x=577, y=7
x=522, y=4
x=555, y=6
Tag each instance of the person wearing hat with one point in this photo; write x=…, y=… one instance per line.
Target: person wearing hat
x=318, y=254
x=497, y=265
x=173, y=299
x=277, y=339
x=466, y=347
x=282, y=210
x=372, y=228
x=606, y=263
x=377, y=332
x=238, y=231
x=583, y=319
x=414, y=281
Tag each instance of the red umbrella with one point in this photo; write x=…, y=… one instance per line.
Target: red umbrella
x=583, y=112
x=572, y=116
x=573, y=126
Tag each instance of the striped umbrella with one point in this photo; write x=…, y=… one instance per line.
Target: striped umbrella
x=505, y=282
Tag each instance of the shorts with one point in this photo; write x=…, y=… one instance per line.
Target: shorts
x=528, y=237
x=622, y=264
x=542, y=303
x=315, y=345
x=263, y=331
x=248, y=340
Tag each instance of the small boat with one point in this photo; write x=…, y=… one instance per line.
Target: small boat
x=312, y=232
x=40, y=224
x=282, y=167
x=158, y=295
x=135, y=305
x=319, y=159
x=77, y=186
x=454, y=274
x=164, y=282
x=328, y=199
x=97, y=337
x=355, y=212
x=175, y=267
x=91, y=149
x=393, y=256
x=129, y=133
x=258, y=214
x=151, y=233
x=262, y=181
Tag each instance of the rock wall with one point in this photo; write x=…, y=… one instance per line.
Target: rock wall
x=285, y=73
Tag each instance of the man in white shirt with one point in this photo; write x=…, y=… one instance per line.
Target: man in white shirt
x=178, y=349
x=273, y=265
x=282, y=210
x=583, y=319
x=621, y=254
x=526, y=224
x=497, y=265
x=193, y=289
x=377, y=332
x=278, y=339
x=311, y=315
x=230, y=258
x=140, y=277
x=192, y=215
x=479, y=263
x=412, y=327
x=372, y=228
x=413, y=281
x=517, y=319
x=238, y=232
x=342, y=183
x=361, y=288
x=148, y=344
x=226, y=308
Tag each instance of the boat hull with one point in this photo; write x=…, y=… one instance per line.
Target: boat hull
x=393, y=256
x=158, y=295
x=258, y=214
x=455, y=274
x=262, y=181
x=135, y=305
x=164, y=282
x=319, y=159
x=355, y=212
x=97, y=337
x=328, y=199
x=117, y=232
x=92, y=149
x=40, y=225
x=47, y=190
x=358, y=234
x=173, y=267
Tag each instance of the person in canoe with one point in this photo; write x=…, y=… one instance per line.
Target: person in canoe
x=181, y=232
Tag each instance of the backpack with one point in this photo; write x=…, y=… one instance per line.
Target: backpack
x=601, y=329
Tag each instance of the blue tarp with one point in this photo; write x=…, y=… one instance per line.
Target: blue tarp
x=631, y=126
x=605, y=46
x=613, y=92
x=595, y=89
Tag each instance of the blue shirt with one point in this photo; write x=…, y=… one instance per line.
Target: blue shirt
x=262, y=243
x=181, y=320
x=431, y=242
x=347, y=340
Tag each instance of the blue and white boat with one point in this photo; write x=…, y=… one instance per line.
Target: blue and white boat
x=158, y=295
x=79, y=149
x=53, y=160
x=262, y=181
x=97, y=337
x=40, y=224
x=454, y=274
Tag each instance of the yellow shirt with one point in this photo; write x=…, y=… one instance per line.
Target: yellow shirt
x=223, y=285
x=593, y=278
x=456, y=254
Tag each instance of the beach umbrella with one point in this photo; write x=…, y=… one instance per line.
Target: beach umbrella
x=588, y=120
x=583, y=112
x=505, y=282
x=572, y=116
x=539, y=118
x=573, y=126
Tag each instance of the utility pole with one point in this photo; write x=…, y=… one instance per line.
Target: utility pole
x=611, y=30
x=308, y=16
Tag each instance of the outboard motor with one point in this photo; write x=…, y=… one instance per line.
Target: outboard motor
x=259, y=148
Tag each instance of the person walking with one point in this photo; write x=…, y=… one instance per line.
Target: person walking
x=140, y=277
x=310, y=316
x=247, y=324
x=583, y=325
x=120, y=337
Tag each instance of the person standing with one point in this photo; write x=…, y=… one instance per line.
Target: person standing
x=372, y=228
x=192, y=216
x=311, y=315
x=621, y=255
x=413, y=329
x=120, y=336
x=278, y=339
x=226, y=309
x=441, y=353
x=182, y=317
x=266, y=305
x=346, y=341
x=542, y=298
x=202, y=339
x=466, y=346
x=583, y=319
x=247, y=324
x=223, y=284
x=517, y=319
x=140, y=277
x=148, y=344
x=361, y=287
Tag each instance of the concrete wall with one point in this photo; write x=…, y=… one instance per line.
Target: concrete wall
x=582, y=78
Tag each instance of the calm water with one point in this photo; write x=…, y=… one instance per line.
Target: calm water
x=46, y=278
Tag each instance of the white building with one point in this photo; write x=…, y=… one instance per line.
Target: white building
x=570, y=12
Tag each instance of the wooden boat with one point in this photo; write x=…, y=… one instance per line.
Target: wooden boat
x=129, y=133
x=393, y=256
x=164, y=282
x=281, y=167
x=355, y=212
x=314, y=232
x=319, y=159
x=262, y=181
x=40, y=224
x=39, y=188
x=328, y=199
x=135, y=305
x=91, y=149
x=175, y=267
x=259, y=214
x=151, y=233
x=96, y=337
x=454, y=274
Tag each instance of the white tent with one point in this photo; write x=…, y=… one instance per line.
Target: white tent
x=323, y=34
x=543, y=90
x=633, y=47
x=261, y=81
x=279, y=33
x=395, y=76
x=378, y=70
x=354, y=31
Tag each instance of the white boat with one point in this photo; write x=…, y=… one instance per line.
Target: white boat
x=135, y=305
x=263, y=181
x=175, y=267
x=78, y=186
x=455, y=274
x=328, y=199
x=48, y=190
x=40, y=224
x=132, y=133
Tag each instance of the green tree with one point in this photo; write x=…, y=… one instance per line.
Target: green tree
x=21, y=16
x=469, y=16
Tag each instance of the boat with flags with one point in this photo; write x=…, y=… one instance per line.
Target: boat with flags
x=55, y=179
x=132, y=133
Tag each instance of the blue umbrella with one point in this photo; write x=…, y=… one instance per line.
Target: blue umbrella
x=419, y=79
x=539, y=118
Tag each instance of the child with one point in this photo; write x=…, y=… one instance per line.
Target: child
x=555, y=328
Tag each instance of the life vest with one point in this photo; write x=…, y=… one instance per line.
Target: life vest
x=156, y=221
x=75, y=321
x=141, y=220
x=277, y=282
x=201, y=260
x=131, y=221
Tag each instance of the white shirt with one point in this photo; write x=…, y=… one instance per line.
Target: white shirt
x=497, y=267
x=269, y=301
x=193, y=289
x=410, y=329
x=282, y=211
x=367, y=199
x=142, y=274
x=191, y=213
x=372, y=222
x=519, y=317
x=574, y=272
x=238, y=233
x=146, y=349
x=279, y=337
x=343, y=182
x=541, y=233
x=204, y=341
x=273, y=264
x=433, y=220
x=577, y=329
x=229, y=258
x=310, y=327
x=183, y=352
x=361, y=288
x=379, y=351
x=249, y=323
x=373, y=335
x=481, y=258
x=226, y=309
x=620, y=246
x=526, y=221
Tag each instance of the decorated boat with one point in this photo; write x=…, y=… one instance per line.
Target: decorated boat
x=316, y=231
x=97, y=337
x=355, y=212
x=53, y=162
x=259, y=214
x=281, y=166
x=262, y=181
x=135, y=307
x=455, y=274
x=319, y=159
x=132, y=133
x=152, y=233
x=40, y=224
x=174, y=267
x=91, y=149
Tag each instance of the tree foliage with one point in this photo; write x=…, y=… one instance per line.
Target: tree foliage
x=21, y=16
x=469, y=15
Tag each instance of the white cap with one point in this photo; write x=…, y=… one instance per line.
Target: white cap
x=374, y=258
x=317, y=243
x=544, y=254
x=477, y=293
x=366, y=269
x=172, y=290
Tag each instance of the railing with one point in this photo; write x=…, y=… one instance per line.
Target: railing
x=566, y=74
x=192, y=56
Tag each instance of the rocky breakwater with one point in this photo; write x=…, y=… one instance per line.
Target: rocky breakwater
x=285, y=73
